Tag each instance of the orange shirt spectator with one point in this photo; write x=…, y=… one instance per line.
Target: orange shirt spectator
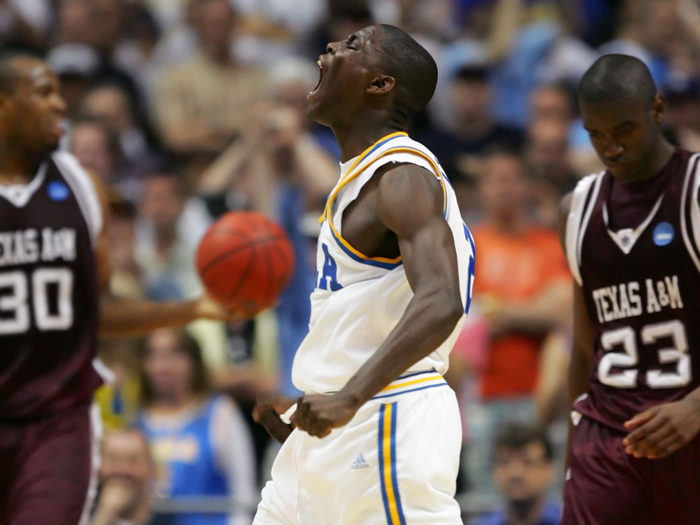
x=514, y=269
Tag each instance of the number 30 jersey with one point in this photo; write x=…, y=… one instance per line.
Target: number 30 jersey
x=359, y=300
x=48, y=291
x=635, y=250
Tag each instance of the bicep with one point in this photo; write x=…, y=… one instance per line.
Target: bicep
x=410, y=202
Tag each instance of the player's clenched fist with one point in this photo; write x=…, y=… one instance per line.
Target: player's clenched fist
x=663, y=429
x=267, y=412
x=319, y=414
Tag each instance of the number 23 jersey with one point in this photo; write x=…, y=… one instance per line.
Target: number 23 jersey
x=48, y=291
x=635, y=250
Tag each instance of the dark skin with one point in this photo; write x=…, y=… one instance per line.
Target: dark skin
x=356, y=99
x=627, y=138
x=30, y=119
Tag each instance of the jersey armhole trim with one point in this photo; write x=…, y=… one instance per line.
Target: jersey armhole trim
x=577, y=222
x=690, y=207
x=84, y=191
x=380, y=262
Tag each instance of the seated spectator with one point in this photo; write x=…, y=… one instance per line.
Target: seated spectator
x=473, y=130
x=199, y=442
x=524, y=292
x=523, y=473
x=203, y=103
x=125, y=477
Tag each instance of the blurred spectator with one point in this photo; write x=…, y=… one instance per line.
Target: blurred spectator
x=199, y=442
x=126, y=478
x=111, y=104
x=647, y=31
x=270, y=29
x=97, y=149
x=98, y=25
x=166, y=239
x=18, y=28
x=524, y=291
x=76, y=66
x=204, y=103
x=683, y=111
x=549, y=161
x=523, y=472
x=473, y=131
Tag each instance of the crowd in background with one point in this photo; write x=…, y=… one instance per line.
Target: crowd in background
x=188, y=109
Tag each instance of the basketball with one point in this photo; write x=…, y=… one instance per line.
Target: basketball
x=245, y=261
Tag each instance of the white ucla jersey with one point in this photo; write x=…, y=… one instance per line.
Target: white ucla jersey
x=359, y=300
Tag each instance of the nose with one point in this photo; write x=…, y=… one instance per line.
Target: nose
x=58, y=104
x=332, y=47
x=613, y=150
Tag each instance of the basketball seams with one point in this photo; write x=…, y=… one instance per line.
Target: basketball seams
x=249, y=244
x=235, y=281
x=265, y=251
x=244, y=275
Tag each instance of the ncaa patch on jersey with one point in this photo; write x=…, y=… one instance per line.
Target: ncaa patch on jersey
x=58, y=191
x=663, y=234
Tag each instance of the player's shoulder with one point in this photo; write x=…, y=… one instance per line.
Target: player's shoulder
x=85, y=187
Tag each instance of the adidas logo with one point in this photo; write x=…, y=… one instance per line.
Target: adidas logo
x=360, y=463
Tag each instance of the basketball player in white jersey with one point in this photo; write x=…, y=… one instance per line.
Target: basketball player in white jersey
x=377, y=433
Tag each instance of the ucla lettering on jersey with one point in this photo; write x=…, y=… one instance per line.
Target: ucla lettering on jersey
x=359, y=299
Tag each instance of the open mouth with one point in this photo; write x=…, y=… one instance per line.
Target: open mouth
x=320, y=78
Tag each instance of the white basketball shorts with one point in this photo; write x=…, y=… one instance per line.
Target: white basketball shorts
x=395, y=463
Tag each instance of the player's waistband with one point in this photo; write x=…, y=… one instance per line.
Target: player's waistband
x=412, y=382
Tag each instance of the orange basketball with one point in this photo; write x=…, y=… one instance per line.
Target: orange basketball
x=245, y=261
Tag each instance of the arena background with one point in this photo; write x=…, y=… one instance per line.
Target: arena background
x=190, y=108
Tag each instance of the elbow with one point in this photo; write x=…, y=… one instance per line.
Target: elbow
x=450, y=309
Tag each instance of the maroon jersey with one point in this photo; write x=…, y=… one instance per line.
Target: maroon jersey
x=48, y=291
x=634, y=249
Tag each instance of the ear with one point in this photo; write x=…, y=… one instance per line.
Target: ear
x=381, y=85
x=658, y=108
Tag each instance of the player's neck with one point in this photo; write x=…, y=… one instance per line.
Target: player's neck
x=17, y=168
x=356, y=137
x=657, y=161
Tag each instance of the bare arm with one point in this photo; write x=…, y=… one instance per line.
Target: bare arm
x=582, y=355
x=121, y=317
x=547, y=311
x=430, y=261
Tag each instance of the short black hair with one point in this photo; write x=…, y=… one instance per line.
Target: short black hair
x=413, y=68
x=516, y=436
x=9, y=75
x=617, y=78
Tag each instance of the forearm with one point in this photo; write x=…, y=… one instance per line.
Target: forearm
x=103, y=516
x=548, y=312
x=121, y=317
x=426, y=324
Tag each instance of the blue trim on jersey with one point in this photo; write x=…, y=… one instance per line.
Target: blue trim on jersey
x=377, y=264
x=472, y=268
x=432, y=371
x=407, y=391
